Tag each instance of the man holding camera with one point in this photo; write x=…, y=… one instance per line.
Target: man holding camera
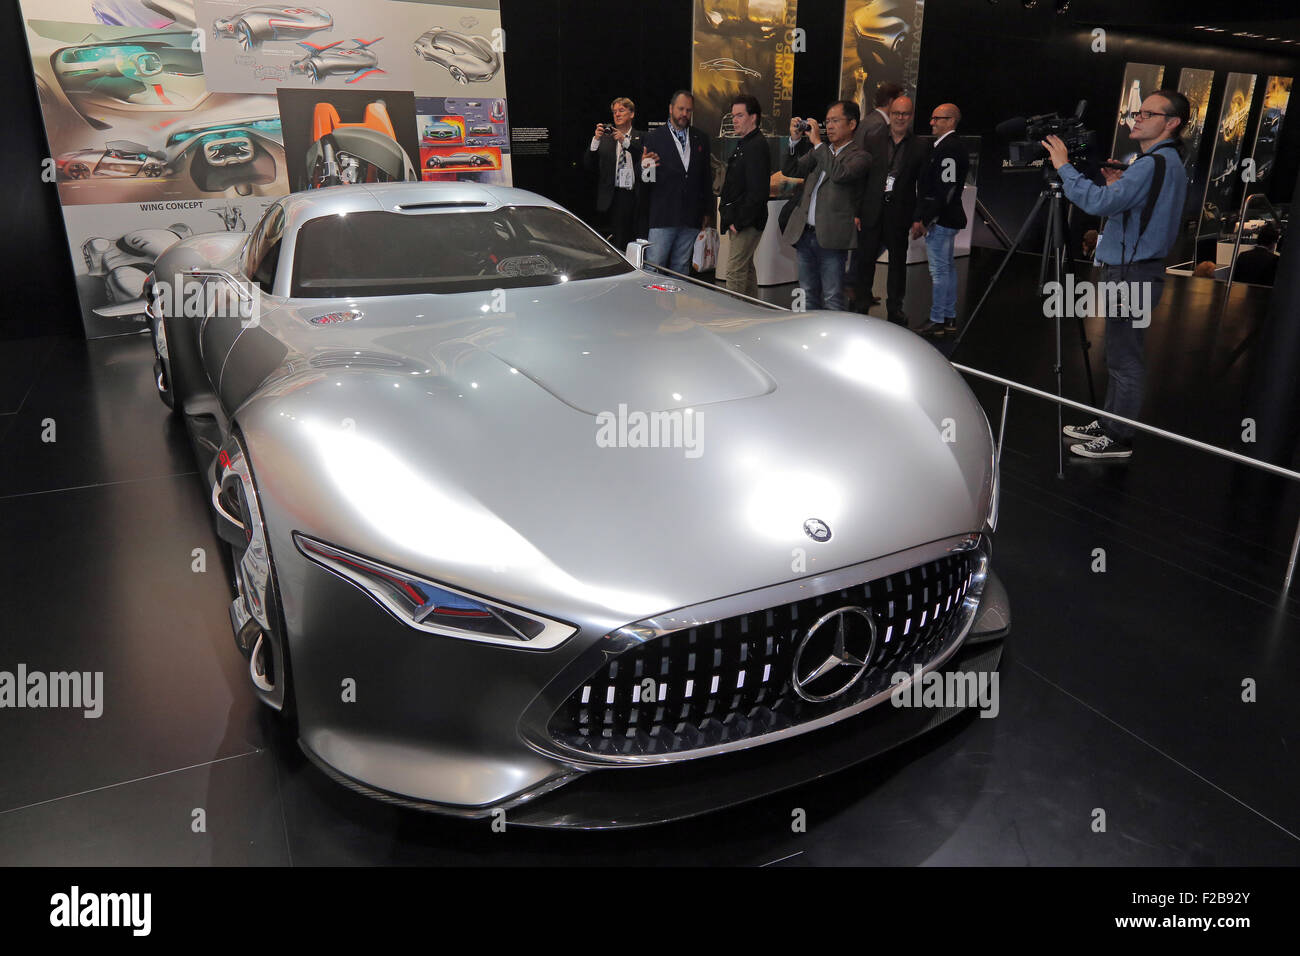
x=743, y=209
x=1144, y=203
x=677, y=173
x=615, y=155
x=823, y=226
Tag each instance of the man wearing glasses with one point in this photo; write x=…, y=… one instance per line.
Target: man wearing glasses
x=888, y=203
x=940, y=215
x=1144, y=205
x=823, y=227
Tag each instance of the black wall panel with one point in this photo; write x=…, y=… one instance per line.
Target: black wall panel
x=35, y=270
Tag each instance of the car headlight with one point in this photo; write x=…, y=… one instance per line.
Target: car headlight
x=437, y=608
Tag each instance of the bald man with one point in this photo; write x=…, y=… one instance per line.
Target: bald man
x=940, y=216
x=897, y=157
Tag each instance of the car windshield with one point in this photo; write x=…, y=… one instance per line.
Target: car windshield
x=390, y=253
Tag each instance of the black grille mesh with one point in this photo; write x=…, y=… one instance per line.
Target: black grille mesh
x=730, y=680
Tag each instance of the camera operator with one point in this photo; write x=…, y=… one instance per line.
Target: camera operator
x=615, y=155
x=823, y=227
x=1144, y=203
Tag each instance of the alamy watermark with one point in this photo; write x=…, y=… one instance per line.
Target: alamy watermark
x=943, y=690
x=678, y=428
x=198, y=296
x=1085, y=299
x=82, y=690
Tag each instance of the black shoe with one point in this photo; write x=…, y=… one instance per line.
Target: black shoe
x=933, y=330
x=898, y=318
x=1103, y=447
x=875, y=300
x=1084, y=433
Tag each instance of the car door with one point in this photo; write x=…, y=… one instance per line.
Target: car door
x=254, y=352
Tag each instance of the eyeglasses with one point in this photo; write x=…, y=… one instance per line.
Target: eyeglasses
x=935, y=119
x=1145, y=114
x=834, y=119
x=897, y=113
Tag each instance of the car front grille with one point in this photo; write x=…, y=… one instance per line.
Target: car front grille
x=732, y=680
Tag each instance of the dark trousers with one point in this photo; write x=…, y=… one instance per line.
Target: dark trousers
x=1126, y=368
x=887, y=234
x=621, y=218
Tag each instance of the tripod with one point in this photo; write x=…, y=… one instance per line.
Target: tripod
x=1056, y=255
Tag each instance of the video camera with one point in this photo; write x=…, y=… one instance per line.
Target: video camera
x=1025, y=151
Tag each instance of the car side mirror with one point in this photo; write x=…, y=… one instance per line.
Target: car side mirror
x=636, y=252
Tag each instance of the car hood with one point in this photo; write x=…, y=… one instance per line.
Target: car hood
x=499, y=452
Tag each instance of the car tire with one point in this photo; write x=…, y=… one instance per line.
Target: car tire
x=245, y=34
x=151, y=170
x=78, y=171
x=458, y=75
x=288, y=711
x=162, y=373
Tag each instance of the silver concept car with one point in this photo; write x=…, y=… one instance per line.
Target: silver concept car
x=520, y=525
x=255, y=25
x=468, y=58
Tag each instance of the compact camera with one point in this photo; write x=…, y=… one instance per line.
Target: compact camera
x=803, y=126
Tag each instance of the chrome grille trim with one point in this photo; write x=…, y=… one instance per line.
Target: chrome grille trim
x=535, y=724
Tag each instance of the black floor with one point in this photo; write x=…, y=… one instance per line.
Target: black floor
x=1121, y=691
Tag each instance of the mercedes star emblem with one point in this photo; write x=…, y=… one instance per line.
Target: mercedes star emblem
x=834, y=654
x=817, y=529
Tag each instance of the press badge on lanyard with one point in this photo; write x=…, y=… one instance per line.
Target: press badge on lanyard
x=889, y=183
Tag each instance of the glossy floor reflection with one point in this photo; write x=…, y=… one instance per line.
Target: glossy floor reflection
x=1121, y=691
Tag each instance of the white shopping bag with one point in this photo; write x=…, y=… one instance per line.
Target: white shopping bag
x=705, y=256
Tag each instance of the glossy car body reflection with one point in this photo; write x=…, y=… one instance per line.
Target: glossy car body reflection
x=470, y=600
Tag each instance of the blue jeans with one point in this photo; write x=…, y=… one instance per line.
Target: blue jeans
x=821, y=272
x=671, y=246
x=1126, y=369
x=943, y=272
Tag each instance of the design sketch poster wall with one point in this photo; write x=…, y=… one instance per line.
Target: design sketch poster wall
x=742, y=46
x=164, y=122
x=1277, y=96
x=882, y=42
x=1221, y=196
x=1140, y=81
x=1196, y=85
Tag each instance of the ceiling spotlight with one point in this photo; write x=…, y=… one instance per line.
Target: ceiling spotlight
x=1062, y=5
x=1029, y=4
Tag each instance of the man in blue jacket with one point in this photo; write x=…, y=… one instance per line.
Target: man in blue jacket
x=1144, y=205
x=676, y=170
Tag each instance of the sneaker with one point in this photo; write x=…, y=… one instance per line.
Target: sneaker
x=1103, y=447
x=1084, y=432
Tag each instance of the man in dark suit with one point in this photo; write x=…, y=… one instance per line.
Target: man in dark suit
x=743, y=207
x=940, y=215
x=1259, y=264
x=888, y=203
x=822, y=227
x=615, y=155
x=877, y=120
x=677, y=174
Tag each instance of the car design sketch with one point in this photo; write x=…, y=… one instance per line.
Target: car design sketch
x=323, y=61
x=469, y=59
x=458, y=159
x=438, y=552
x=256, y=25
x=119, y=158
x=725, y=64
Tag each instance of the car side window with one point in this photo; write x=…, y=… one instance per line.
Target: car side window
x=264, y=248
